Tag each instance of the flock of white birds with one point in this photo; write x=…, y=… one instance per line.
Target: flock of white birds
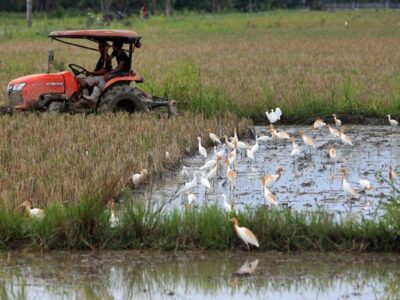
x=227, y=155
x=223, y=163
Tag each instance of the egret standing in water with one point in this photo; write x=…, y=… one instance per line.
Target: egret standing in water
x=338, y=123
x=347, y=187
x=202, y=150
x=295, y=149
x=391, y=121
x=245, y=234
x=344, y=138
x=319, y=123
x=392, y=174
x=332, y=152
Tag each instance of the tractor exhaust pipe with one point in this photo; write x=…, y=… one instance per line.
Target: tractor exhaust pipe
x=51, y=61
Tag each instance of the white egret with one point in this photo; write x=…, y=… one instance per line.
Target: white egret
x=245, y=234
x=202, y=150
x=35, y=213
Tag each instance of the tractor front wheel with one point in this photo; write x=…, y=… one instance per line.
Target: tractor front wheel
x=55, y=107
x=120, y=98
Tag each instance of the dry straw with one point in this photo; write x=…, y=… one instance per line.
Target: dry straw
x=60, y=158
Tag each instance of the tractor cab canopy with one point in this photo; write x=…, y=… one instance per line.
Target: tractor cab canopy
x=101, y=35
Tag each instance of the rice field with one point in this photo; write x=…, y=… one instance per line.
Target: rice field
x=225, y=71
x=60, y=159
x=309, y=63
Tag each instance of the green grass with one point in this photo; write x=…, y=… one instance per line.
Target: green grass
x=85, y=225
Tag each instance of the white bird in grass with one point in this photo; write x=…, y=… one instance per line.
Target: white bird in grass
x=338, y=122
x=274, y=116
x=295, y=149
x=270, y=197
x=202, y=150
x=245, y=234
x=214, y=137
x=114, y=221
x=189, y=186
x=344, y=138
x=365, y=185
x=35, y=213
x=227, y=206
x=191, y=199
x=347, y=187
x=138, y=178
x=319, y=123
x=391, y=121
x=346, y=24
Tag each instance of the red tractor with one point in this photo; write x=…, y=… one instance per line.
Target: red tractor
x=60, y=92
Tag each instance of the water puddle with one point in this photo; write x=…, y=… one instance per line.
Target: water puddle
x=195, y=275
x=311, y=181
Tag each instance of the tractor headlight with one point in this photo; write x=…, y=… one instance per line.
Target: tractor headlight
x=18, y=87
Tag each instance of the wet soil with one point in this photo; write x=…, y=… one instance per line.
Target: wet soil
x=311, y=181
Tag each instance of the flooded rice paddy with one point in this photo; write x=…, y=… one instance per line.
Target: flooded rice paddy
x=196, y=275
x=310, y=181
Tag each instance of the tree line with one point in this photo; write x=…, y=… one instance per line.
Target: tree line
x=159, y=6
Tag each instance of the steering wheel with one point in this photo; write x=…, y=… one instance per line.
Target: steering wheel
x=77, y=69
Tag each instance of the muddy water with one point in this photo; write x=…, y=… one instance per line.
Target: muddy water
x=311, y=181
x=135, y=275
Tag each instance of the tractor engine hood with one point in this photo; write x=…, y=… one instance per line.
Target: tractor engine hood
x=24, y=92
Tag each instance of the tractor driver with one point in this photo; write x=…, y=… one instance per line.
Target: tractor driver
x=124, y=65
x=96, y=78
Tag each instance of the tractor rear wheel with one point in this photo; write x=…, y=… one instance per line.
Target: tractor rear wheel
x=120, y=98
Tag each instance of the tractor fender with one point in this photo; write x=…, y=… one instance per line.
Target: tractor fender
x=124, y=79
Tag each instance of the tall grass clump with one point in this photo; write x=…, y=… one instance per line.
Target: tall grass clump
x=184, y=82
x=85, y=225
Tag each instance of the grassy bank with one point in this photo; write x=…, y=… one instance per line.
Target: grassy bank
x=61, y=158
x=85, y=225
x=309, y=63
